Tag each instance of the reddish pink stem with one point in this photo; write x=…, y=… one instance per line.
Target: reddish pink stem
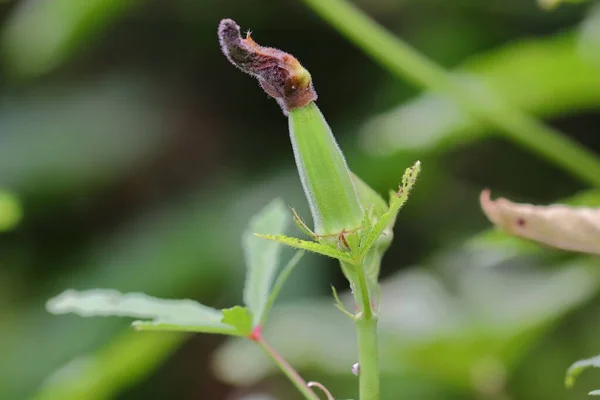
x=287, y=369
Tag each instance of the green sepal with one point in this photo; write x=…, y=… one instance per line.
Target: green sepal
x=303, y=227
x=320, y=248
x=371, y=201
x=388, y=219
x=339, y=305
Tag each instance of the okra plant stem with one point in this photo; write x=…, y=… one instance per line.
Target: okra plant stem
x=366, y=333
x=368, y=356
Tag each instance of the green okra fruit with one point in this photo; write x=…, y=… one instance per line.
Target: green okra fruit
x=325, y=177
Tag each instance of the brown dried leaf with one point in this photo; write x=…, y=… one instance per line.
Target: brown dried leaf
x=557, y=225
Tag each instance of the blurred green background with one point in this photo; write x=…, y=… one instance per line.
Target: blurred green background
x=132, y=156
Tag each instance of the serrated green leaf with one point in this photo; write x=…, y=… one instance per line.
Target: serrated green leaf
x=578, y=367
x=397, y=200
x=159, y=314
x=262, y=256
x=320, y=248
x=240, y=318
x=303, y=227
x=339, y=304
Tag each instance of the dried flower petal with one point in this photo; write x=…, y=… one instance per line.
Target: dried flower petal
x=561, y=226
x=279, y=73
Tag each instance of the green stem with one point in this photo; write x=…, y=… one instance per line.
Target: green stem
x=368, y=357
x=366, y=333
x=288, y=370
x=364, y=292
x=405, y=62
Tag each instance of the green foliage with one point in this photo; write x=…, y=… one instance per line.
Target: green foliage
x=509, y=309
x=128, y=358
x=589, y=36
x=407, y=63
x=240, y=318
x=552, y=4
x=351, y=247
x=10, y=211
x=172, y=315
x=41, y=34
x=524, y=73
x=83, y=137
x=262, y=257
x=278, y=285
x=98, y=130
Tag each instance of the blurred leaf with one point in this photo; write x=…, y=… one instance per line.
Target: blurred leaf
x=552, y=4
x=10, y=211
x=589, y=36
x=523, y=73
x=262, y=256
x=66, y=138
x=278, y=285
x=127, y=359
x=41, y=34
x=240, y=318
x=172, y=315
x=564, y=227
x=578, y=367
x=258, y=397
